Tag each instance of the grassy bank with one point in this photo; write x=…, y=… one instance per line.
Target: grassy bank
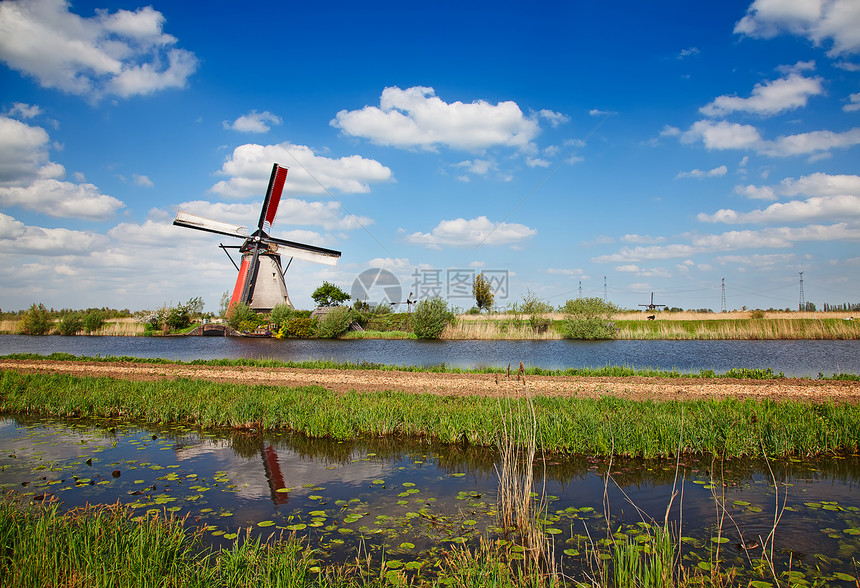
x=602, y=426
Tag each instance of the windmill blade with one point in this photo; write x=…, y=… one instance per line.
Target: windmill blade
x=273, y=198
x=305, y=252
x=192, y=221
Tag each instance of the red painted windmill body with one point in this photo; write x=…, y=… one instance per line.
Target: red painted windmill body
x=260, y=283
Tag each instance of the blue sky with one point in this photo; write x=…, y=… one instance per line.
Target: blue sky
x=651, y=147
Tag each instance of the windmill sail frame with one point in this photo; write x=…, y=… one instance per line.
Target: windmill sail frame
x=261, y=253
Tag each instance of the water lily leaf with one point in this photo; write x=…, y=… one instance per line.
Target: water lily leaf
x=741, y=503
x=844, y=577
x=265, y=523
x=553, y=531
x=719, y=540
x=571, y=552
x=407, y=545
x=760, y=584
x=297, y=527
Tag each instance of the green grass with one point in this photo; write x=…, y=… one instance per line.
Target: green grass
x=586, y=426
x=104, y=547
x=606, y=371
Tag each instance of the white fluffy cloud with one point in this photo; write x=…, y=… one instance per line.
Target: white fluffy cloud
x=722, y=135
x=61, y=199
x=416, y=117
x=15, y=237
x=124, y=53
x=769, y=238
x=250, y=166
x=853, y=103
x=768, y=98
x=471, y=233
x=697, y=173
x=28, y=179
x=817, y=208
x=817, y=20
x=254, y=122
x=756, y=192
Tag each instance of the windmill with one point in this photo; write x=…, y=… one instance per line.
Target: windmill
x=260, y=283
x=652, y=306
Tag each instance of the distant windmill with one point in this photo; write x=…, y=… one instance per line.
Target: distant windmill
x=652, y=306
x=260, y=283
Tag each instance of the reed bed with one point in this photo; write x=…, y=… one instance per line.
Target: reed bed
x=123, y=327
x=603, y=426
x=669, y=326
x=804, y=329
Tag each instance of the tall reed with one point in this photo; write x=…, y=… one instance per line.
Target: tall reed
x=519, y=506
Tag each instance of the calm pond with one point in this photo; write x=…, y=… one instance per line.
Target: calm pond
x=794, y=358
x=410, y=500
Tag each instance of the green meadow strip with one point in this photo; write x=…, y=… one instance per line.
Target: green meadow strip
x=606, y=371
x=603, y=426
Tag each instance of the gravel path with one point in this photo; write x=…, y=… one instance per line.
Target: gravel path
x=637, y=388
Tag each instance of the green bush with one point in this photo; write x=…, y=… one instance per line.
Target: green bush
x=298, y=328
x=70, y=324
x=539, y=324
x=334, y=323
x=36, y=321
x=757, y=314
x=430, y=318
x=240, y=314
x=281, y=314
x=93, y=321
x=588, y=318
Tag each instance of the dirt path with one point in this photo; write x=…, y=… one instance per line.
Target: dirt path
x=460, y=384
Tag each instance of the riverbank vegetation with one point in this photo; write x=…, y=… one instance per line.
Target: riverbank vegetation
x=107, y=546
x=533, y=319
x=603, y=426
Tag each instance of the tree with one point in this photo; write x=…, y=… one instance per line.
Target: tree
x=430, y=318
x=588, y=318
x=224, y=306
x=483, y=293
x=93, y=321
x=70, y=324
x=532, y=304
x=329, y=295
x=36, y=321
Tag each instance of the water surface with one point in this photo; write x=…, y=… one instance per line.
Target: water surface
x=411, y=500
x=794, y=358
